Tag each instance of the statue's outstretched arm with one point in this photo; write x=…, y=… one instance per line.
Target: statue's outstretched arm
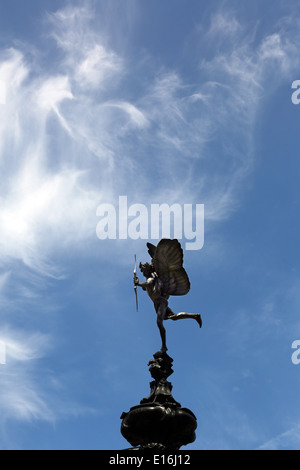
x=144, y=285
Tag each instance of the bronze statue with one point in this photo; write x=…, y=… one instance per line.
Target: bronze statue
x=165, y=276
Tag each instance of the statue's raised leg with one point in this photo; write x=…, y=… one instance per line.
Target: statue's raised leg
x=182, y=315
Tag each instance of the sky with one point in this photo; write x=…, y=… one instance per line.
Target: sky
x=174, y=102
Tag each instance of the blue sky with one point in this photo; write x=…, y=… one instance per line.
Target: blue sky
x=163, y=102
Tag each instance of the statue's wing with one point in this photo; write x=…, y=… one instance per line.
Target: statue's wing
x=168, y=264
x=151, y=249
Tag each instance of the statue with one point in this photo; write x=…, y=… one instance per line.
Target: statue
x=159, y=422
x=165, y=276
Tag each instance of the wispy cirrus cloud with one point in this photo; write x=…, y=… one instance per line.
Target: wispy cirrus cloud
x=288, y=440
x=96, y=66
x=21, y=396
x=86, y=57
x=224, y=24
x=209, y=123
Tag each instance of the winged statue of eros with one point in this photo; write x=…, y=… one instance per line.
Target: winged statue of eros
x=166, y=276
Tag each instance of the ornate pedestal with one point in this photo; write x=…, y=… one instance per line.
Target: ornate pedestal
x=159, y=422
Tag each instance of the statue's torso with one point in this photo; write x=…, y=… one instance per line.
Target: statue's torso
x=155, y=290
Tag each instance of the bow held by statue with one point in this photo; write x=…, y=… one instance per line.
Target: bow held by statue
x=135, y=286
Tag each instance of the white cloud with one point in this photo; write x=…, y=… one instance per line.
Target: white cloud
x=13, y=71
x=3, y=280
x=137, y=117
x=69, y=27
x=96, y=66
x=48, y=199
x=39, y=210
x=179, y=120
x=224, y=24
x=21, y=397
x=288, y=440
x=90, y=63
x=209, y=124
x=53, y=92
